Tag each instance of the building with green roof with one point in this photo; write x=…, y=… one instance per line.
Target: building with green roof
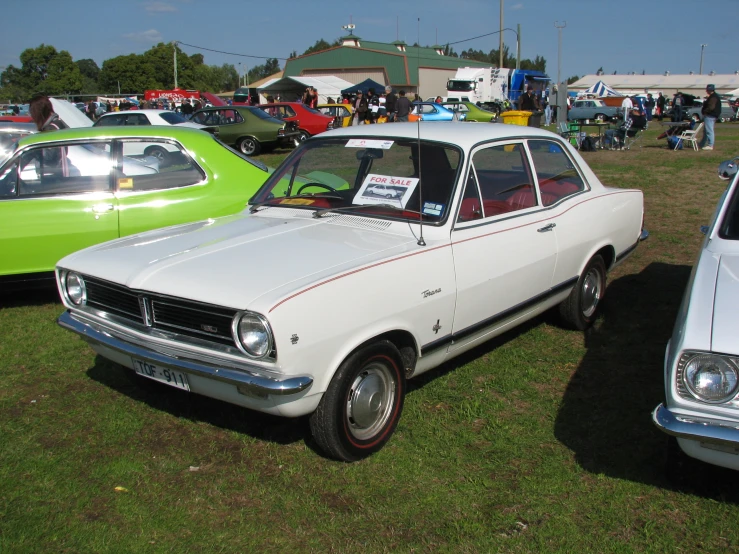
x=423, y=70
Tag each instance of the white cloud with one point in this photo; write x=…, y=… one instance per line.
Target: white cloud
x=516, y=7
x=159, y=7
x=152, y=35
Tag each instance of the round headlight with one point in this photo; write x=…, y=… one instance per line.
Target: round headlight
x=254, y=335
x=75, y=286
x=712, y=378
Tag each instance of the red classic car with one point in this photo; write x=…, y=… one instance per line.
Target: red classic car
x=310, y=121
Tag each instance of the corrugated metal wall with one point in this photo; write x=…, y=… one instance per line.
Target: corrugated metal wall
x=354, y=76
x=432, y=82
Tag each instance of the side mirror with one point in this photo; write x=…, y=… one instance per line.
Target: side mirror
x=727, y=169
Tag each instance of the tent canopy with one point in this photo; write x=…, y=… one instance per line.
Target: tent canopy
x=364, y=86
x=291, y=89
x=601, y=89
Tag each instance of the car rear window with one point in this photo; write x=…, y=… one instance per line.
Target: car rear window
x=173, y=118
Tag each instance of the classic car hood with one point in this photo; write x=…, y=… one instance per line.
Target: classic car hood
x=725, y=305
x=237, y=259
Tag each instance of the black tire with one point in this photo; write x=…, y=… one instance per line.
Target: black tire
x=580, y=308
x=157, y=152
x=249, y=146
x=304, y=135
x=361, y=408
x=388, y=196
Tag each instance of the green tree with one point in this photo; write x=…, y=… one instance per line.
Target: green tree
x=321, y=45
x=271, y=66
x=43, y=70
x=129, y=74
x=90, y=73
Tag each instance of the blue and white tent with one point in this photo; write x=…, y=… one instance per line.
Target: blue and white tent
x=601, y=89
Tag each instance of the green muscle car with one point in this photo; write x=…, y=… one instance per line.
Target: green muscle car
x=66, y=190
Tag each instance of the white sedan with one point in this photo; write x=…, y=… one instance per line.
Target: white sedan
x=702, y=359
x=148, y=117
x=319, y=300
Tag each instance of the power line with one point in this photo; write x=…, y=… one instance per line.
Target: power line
x=230, y=53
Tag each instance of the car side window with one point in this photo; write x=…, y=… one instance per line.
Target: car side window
x=137, y=119
x=556, y=174
x=155, y=165
x=111, y=121
x=9, y=181
x=71, y=169
x=504, y=179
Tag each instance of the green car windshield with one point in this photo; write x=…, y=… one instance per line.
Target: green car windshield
x=375, y=177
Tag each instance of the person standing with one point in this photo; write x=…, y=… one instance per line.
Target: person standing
x=649, y=106
x=360, y=108
x=403, y=107
x=626, y=106
x=390, y=103
x=660, y=106
x=677, y=107
x=187, y=108
x=548, y=115
x=373, y=105
x=710, y=111
x=528, y=101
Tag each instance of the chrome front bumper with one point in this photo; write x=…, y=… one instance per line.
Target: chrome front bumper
x=247, y=381
x=709, y=431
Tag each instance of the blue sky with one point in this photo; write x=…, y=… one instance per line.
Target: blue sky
x=652, y=37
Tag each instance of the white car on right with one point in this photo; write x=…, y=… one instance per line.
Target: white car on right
x=701, y=409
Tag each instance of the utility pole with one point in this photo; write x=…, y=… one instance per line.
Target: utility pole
x=518, y=46
x=559, y=49
x=501, y=35
x=701, y=69
x=174, y=44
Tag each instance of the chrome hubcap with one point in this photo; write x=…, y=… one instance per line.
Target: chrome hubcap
x=591, y=292
x=370, y=401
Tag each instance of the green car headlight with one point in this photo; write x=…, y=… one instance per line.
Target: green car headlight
x=711, y=378
x=253, y=335
x=74, y=285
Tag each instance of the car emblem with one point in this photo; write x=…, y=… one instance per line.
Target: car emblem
x=294, y=339
x=209, y=328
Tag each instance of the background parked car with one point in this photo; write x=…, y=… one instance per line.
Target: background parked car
x=430, y=111
x=594, y=110
x=247, y=128
x=471, y=112
x=342, y=113
x=10, y=133
x=73, y=188
x=310, y=122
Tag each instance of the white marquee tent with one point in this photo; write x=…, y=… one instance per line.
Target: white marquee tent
x=601, y=89
x=291, y=88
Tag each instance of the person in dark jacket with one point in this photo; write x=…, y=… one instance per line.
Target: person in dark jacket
x=710, y=111
x=661, y=102
x=403, y=107
x=390, y=104
x=528, y=100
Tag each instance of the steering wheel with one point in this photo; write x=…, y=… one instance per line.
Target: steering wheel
x=321, y=185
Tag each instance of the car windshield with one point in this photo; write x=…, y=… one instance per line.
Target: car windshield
x=460, y=86
x=172, y=118
x=374, y=177
x=729, y=228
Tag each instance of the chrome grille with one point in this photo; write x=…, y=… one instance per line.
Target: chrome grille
x=161, y=312
x=114, y=299
x=184, y=317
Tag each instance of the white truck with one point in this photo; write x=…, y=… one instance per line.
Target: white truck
x=492, y=86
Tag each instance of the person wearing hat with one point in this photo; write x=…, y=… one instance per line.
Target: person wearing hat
x=710, y=111
x=528, y=100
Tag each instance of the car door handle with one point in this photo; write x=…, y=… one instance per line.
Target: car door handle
x=102, y=208
x=547, y=228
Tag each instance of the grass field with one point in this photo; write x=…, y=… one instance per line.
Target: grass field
x=539, y=441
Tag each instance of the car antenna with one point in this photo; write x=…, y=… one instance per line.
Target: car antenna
x=420, y=242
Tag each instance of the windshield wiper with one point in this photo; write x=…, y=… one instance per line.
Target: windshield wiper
x=258, y=205
x=320, y=213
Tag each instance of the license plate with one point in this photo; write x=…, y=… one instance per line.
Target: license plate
x=170, y=377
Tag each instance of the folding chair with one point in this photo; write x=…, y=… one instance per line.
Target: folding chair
x=565, y=132
x=689, y=135
x=634, y=135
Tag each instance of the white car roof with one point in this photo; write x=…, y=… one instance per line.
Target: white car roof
x=155, y=116
x=466, y=135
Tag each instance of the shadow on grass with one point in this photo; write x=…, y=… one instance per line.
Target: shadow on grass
x=30, y=297
x=280, y=430
x=605, y=415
